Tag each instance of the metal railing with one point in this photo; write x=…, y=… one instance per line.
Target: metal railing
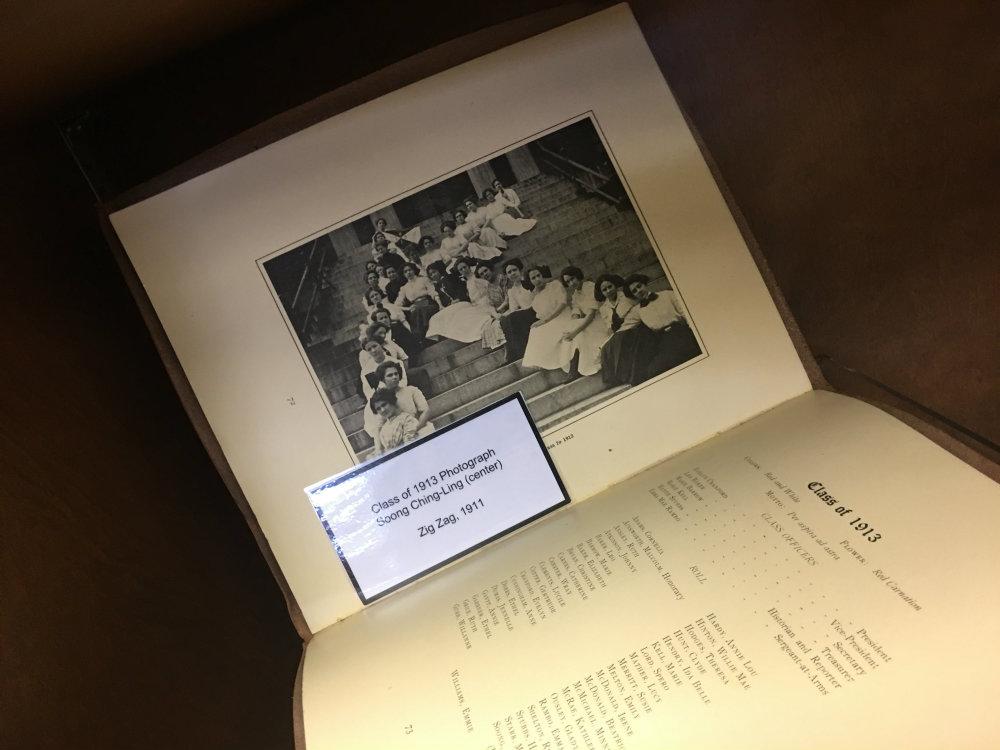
x=589, y=179
x=303, y=306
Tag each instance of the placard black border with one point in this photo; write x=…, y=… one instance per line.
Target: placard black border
x=367, y=466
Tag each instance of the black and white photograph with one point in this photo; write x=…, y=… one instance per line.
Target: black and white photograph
x=530, y=270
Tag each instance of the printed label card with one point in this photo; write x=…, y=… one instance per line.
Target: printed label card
x=437, y=498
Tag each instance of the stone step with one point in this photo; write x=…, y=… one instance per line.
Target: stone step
x=535, y=197
x=474, y=388
x=565, y=251
x=448, y=362
x=351, y=271
x=348, y=406
x=561, y=193
x=434, y=360
x=609, y=257
x=451, y=355
x=549, y=399
x=443, y=348
x=557, y=418
x=456, y=365
x=529, y=385
x=452, y=363
x=446, y=380
x=604, y=234
x=564, y=396
x=338, y=392
x=492, y=378
x=448, y=350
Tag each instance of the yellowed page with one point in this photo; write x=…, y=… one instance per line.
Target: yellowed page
x=198, y=249
x=714, y=601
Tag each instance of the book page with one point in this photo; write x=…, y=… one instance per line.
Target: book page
x=567, y=241
x=822, y=576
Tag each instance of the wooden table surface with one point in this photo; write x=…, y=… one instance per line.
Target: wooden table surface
x=860, y=141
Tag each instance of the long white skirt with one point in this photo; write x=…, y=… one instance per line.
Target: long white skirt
x=510, y=226
x=489, y=237
x=482, y=252
x=546, y=349
x=460, y=321
x=589, y=342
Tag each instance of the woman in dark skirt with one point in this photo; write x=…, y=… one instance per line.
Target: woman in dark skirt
x=416, y=297
x=450, y=288
x=399, y=332
x=621, y=363
x=518, y=315
x=668, y=340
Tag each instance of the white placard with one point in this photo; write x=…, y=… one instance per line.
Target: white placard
x=412, y=511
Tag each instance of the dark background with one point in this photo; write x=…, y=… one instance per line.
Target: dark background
x=860, y=141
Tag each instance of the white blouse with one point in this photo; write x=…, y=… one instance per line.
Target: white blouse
x=416, y=288
x=662, y=311
x=627, y=309
x=519, y=298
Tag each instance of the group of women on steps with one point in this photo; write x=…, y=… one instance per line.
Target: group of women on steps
x=463, y=289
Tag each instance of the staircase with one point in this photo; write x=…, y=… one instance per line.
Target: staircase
x=572, y=229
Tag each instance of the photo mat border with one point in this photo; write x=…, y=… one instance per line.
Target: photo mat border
x=650, y=237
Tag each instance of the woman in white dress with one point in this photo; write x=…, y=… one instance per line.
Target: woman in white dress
x=508, y=198
x=668, y=340
x=399, y=332
x=383, y=279
x=621, y=363
x=452, y=245
x=484, y=291
x=382, y=231
x=418, y=299
x=547, y=347
x=475, y=216
x=375, y=298
x=503, y=222
x=483, y=243
x=517, y=315
x=476, y=286
x=382, y=253
x=371, y=282
x=459, y=320
x=376, y=355
x=382, y=334
x=428, y=251
x=397, y=427
x=590, y=330
x=409, y=399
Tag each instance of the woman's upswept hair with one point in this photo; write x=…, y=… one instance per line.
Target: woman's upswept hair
x=516, y=262
x=370, y=331
x=614, y=278
x=386, y=366
x=382, y=396
x=636, y=277
x=571, y=271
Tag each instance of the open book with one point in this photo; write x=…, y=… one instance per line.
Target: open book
x=746, y=561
